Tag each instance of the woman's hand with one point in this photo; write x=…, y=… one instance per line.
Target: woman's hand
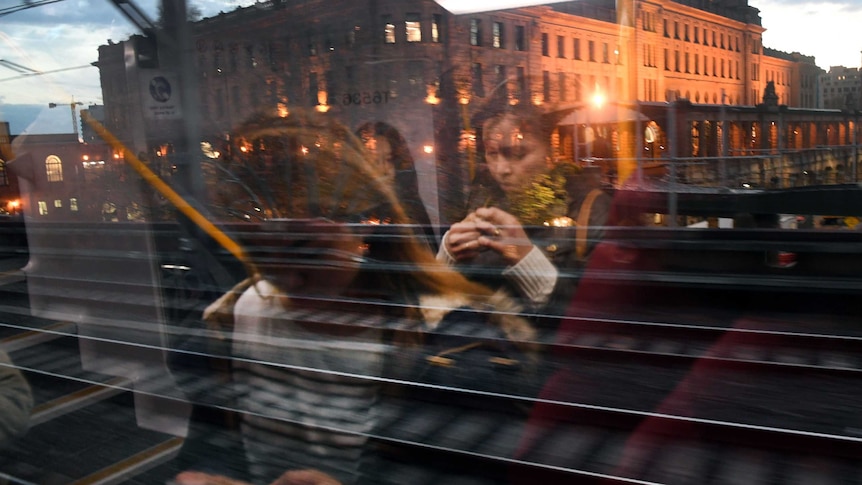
x=305, y=477
x=201, y=478
x=462, y=240
x=502, y=232
x=293, y=477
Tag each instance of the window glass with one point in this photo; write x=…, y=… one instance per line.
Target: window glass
x=428, y=242
x=388, y=30
x=413, y=28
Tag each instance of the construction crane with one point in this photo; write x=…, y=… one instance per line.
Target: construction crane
x=72, y=105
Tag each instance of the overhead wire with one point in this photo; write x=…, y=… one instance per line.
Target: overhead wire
x=27, y=5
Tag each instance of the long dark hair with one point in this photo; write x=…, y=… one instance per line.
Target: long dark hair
x=347, y=188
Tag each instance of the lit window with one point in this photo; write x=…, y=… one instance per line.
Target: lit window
x=436, y=19
x=413, y=28
x=73, y=204
x=54, y=168
x=497, y=33
x=4, y=179
x=388, y=30
x=43, y=208
x=58, y=203
x=475, y=32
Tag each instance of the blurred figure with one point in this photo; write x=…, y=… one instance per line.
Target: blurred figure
x=515, y=234
x=320, y=320
x=397, y=168
x=16, y=401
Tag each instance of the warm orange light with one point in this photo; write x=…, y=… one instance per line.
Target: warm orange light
x=428, y=149
x=464, y=100
x=282, y=110
x=85, y=157
x=243, y=149
x=598, y=99
x=14, y=204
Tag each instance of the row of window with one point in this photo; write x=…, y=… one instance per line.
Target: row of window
x=683, y=64
x=499, y=36
x=412, y=29
x=718, y=39
x=606, y=55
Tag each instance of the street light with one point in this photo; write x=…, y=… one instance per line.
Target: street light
x=74, y=117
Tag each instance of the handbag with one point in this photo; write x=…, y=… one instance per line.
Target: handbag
x=468, y=352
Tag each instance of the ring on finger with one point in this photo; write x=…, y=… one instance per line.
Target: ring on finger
x=497, y=231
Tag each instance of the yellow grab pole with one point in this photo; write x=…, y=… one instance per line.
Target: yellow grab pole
x=166, y=191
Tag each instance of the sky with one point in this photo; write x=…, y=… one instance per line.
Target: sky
x=64, y=36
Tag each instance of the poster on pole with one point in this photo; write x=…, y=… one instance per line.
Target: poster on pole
x=160, y=91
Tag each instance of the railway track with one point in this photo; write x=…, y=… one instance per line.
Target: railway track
x=699, y=393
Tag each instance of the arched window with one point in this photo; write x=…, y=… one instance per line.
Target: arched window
x=54, y=168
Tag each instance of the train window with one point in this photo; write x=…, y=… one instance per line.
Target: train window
x=269, y=241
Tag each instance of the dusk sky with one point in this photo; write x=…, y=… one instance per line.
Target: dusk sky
x=63, y=38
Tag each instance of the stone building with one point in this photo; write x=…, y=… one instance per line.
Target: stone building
x=424, y=70
x=841, y=88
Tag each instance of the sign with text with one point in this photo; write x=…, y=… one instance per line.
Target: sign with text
x=160, y=95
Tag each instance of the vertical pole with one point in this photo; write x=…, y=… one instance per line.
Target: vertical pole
x=639, y=142
x=672, y=147
x=855, y=148
x=724, y=138
x=178, y=58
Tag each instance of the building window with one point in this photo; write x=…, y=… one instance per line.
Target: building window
x=388, y=30
x=696, y=34
x=676, y=30
x=577, y=85
x=436, y=28
x=413, y=27
x=520, y=44
x=312, y=88
x=561, y=46
x=500, y=86
x=666, y=60
x=73, y=204
x=666, y=32
x=312, y=47
x=475, y=32
x=561, y=80
x=58, y=204
x=591, y=51
x=478, y=85
x=576, y=49
x=687, y=70
x=686, y=33
x=54, y=168
x=43, y=208
x=705, y=66
x=4, y=178
x=697, y=63
x=546, y=86
x=522, y=82
x=605, y=53
x=545, y=48
x=497, y=33
x=676, y=61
